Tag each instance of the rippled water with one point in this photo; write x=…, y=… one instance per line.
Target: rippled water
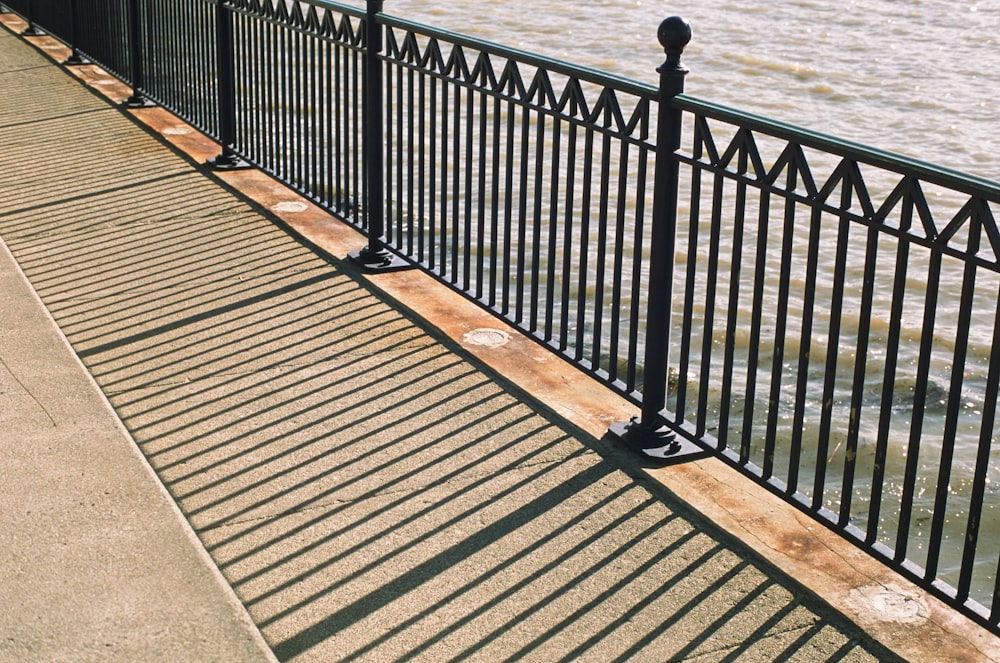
x=920, y=77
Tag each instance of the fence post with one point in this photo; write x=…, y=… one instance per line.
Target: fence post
x=75, y=57
x=137, y=100
x=32, y=30
x=648, y=433
x=226, y=89
x=375, y=256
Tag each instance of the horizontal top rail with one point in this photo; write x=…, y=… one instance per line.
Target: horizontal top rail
x=332, y=5
x=899, y=163
x=964, y=182
x=525, y=57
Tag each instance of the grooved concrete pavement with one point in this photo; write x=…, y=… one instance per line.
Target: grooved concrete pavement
x=368, y=491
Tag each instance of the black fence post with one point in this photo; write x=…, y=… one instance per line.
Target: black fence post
x=137, y=100
x=226, y=88
x=375, y=256
x=32, y=30
x=75, y=57
x=648, y=433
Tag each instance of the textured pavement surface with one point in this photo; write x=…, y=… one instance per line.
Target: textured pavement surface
x=367, y=490
x=97, y=561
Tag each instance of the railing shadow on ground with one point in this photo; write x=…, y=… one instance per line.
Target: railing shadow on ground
x=370, y=491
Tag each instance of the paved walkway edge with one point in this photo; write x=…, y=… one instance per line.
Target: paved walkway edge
x=100, y=564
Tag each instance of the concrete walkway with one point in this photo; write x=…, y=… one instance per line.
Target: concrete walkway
x=98, y=562
x=367, y=489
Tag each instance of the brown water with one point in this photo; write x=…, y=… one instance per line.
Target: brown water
x=920, y=77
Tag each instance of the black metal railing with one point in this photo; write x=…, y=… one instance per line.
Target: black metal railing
x=838, y=312
x=819, y=314
x=523, y=183
x=299, y=97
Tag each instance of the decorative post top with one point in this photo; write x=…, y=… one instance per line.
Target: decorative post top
x=674, y=34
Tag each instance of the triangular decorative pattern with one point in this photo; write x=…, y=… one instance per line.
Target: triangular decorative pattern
x=533, y=86
x=743, y=149
x=989, y=221
x=908, y=196
x=483, y=73
x=607, y=111
x=457, y=66
x=848, y=181
x=511, y=84
x=961, y=226
x=309, y=19
x=541, y=93
x=704, y=141
x=793, y=162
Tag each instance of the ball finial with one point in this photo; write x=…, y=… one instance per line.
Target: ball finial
x=674, y=34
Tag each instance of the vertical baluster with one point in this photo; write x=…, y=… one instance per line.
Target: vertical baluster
x=553, y=236
x=536, y=222
x=911, y=478
x=354, y=173
x=847, y=491
x=392, y=196
x=315, y=133
x=403, y=171
x=734, y=278
x=597, y=321
x=521, y=219
x=456, y=171
x=685, y=372
x=414, y=138
x=482, y=239
x=583, y=252
x=840, y=252
x=944, y=498
x=432, y=160
x=270, y=145
x=330, y=78
x=283, y=120
x=469, y=148
x=567, y=306
x=242, y=36
x=648, y=434
x=977, y=503
x=794, y=175
x=635, y=312
x=901, y=260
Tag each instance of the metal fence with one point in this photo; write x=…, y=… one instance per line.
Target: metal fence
x=837, y=314
x=819, y=314
x=525, y=184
